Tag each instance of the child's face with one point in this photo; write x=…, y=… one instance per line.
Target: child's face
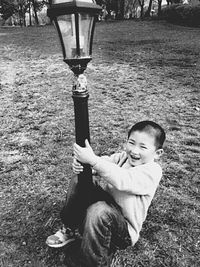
x=141, y=148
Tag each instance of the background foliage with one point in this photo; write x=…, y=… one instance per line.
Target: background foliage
x=18, y=11
x=182, y=14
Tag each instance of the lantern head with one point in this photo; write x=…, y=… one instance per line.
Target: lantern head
x=75, y=22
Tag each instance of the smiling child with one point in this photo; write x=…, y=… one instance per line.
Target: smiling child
x=114, y=217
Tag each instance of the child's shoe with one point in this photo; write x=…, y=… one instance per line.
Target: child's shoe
x=61, y=238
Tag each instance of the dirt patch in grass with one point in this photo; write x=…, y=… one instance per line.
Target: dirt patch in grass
x=140, y=70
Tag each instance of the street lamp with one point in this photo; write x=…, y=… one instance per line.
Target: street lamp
x=75, y=22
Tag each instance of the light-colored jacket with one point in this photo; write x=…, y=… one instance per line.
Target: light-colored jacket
x=133, y=188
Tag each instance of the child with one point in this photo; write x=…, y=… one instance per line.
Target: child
x=113, y=217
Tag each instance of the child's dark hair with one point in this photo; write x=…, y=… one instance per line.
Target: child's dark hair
x=151, y=128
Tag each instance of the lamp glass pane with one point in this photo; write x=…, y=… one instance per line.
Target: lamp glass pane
x=85, y=31
x=68, y=32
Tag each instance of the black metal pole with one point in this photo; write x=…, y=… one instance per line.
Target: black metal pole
x=80, y=97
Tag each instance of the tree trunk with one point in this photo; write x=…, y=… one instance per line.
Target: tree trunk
x=115, y=7
x=148, y=12
x=120, y=9
x=30, y=21
x=141, y=2
x=159, y=7
x=35, y=12
x=20, y=12
x=24, y=19
x=122, y=6
x=142, y=9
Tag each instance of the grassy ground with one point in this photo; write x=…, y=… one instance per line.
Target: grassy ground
x=140, y=70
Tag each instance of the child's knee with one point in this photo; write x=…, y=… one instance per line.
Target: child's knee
x=98, y=212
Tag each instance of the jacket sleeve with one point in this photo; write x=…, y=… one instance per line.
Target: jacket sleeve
x=139, y=180
x=117, y=158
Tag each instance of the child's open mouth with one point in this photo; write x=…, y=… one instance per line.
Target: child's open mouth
x=135, y=157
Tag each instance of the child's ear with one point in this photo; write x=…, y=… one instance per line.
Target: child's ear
x=159, y=153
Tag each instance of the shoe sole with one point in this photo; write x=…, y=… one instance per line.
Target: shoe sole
x=61, y=244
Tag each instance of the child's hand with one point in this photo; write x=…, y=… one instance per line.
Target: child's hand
x=76, y=166
x=85, y=154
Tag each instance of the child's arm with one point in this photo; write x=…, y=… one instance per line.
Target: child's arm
x=114, y=158
x=140, y=180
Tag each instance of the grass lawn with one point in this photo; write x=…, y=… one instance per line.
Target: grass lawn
x=140, y=70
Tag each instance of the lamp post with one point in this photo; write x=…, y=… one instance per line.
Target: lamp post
x=75, y=22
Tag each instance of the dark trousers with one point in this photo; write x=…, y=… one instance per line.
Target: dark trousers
x=100, y=221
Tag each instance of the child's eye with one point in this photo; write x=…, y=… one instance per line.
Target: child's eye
x=143, y=147
x=131, y=142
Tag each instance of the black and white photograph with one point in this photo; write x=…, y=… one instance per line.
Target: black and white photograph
x=100, y=133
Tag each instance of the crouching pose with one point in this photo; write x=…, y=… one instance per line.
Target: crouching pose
x=112, y=217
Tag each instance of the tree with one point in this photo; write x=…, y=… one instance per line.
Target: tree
x=141, y=2
x=36, y=6
x=159, y=7
x=7, y=9
x=131, y=8
x=30, y=20
x=11, y=7
x=20, y=7
x=114, y=5
x=121, y=5
x=148, y=12
x=118, y=6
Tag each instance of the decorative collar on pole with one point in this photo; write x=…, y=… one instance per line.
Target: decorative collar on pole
x=80, y=85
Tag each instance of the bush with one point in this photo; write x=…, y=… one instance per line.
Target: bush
x=182, y=14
